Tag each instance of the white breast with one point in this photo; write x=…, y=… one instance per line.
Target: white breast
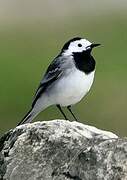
x=72, y=88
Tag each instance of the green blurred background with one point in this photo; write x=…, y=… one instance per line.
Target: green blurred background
x=32, y=34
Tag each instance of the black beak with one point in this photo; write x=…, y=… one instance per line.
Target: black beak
x=93, y=45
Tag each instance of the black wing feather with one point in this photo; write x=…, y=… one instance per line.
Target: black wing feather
x=52, y=74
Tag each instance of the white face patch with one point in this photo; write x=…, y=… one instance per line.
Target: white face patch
x=78, y=46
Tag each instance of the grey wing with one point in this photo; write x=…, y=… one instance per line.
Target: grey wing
x=52, y=74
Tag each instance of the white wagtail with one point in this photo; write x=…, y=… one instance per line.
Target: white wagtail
x=67, y=80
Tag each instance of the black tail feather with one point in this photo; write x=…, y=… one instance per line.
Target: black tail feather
x=26, y=117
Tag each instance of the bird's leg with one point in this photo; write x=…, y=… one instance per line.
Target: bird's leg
x=69, y=108
x=59, y=107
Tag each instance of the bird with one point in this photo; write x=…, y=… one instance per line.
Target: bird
x=67, y=79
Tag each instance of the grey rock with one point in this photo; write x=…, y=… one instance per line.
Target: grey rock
x=62, y=150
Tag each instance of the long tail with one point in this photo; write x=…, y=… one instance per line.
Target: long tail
x=28, y=117
x=35, y=110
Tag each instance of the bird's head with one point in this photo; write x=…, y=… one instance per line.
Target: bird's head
x=77, y=45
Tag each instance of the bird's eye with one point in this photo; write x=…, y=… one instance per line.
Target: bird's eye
x=79, y=45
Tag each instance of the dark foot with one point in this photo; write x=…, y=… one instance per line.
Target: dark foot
x=69, y=108
x=60, y=109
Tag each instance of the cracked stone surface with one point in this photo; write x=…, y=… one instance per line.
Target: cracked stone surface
x=62, y=150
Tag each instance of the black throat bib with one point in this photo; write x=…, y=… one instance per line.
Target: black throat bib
x=84, y=61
